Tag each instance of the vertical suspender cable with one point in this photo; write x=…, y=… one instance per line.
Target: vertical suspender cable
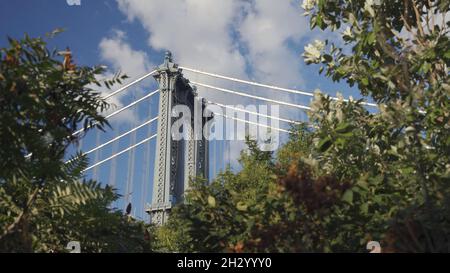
x=144, y=176
x=219, y=158
x=145, y=179
x=131, y=163
x=80, y=145
x=131, y=158
x=113, y=170
x=95, y=175
x=214, y=159
x=112, y=181
x=229, y=152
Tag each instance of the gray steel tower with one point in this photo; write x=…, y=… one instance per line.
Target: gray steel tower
x=177, y=161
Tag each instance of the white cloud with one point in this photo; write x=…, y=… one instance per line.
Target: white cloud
x=118, y=53
x=210, y=35
x=267, y=30
x=197, y=32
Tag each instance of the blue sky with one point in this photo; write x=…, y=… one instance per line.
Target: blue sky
x=259, y=40
x=85, y=25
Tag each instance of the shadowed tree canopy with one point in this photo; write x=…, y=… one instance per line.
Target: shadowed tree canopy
x=45, y=202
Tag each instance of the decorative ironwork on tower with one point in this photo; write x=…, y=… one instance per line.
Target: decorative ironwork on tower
x=177, y=161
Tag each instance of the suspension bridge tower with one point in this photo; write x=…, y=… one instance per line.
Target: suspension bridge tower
x=177, y=161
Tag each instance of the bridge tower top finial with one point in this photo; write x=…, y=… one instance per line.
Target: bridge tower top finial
x=168, y=57
x=168, y=65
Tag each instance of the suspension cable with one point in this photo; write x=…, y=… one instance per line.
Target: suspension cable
x=248, y=82
x=128, y=85
x=117, y=138
x=118, y=111
x=254, y=123
x=121, y=136
x=255, y=113
x=293, y=91
x=120, y=153
x=253, y=97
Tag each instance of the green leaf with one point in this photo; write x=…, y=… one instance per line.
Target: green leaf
x=241, y=206
x=211, y=201
x=324, y=144
x=425, y=67
x=348, y=196
x=319, y=21
x=343, y=128
x=447, y=55
x=365, y=81
x=364, y=208
x=328, y=58
x=371, y=38
x=363, y=185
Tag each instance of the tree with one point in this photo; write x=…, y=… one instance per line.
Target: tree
x=45, y=202
x=351, y=175
x=400, y=53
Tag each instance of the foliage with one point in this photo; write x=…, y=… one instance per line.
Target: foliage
x=351, y=175
x=399, y=56
x=212, y=218
x=44, y=202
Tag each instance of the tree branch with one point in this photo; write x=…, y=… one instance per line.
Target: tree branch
x=405, y=22
x=418, y=22
x=11, y=228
